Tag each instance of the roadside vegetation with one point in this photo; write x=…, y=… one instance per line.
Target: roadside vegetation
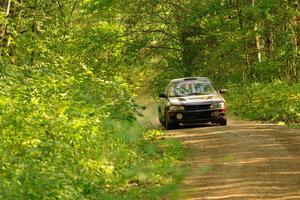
x=276, y=102
x=70, y=69
x=68, y=135
x=68, y=126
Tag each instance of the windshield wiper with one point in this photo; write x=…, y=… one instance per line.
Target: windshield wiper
x=197, y=93
x=178, y=95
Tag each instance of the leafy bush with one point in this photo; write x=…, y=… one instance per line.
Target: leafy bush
x=275, y=102
x=67, y=134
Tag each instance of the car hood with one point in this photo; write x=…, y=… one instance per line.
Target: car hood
x=195, y=100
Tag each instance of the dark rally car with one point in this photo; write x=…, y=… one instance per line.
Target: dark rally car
x=191, y=100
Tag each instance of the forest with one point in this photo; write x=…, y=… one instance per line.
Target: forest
x=71, y=71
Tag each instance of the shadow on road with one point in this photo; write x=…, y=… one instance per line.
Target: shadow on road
x=245, y=160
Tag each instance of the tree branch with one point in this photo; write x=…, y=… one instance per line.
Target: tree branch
x=162, y=47
x=73, y=7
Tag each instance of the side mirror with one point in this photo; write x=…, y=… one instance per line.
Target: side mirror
x=223, y=91
x=162, y=95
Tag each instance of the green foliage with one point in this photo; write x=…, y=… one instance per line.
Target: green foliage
x=67, y=118
x=275, y=102
x=71, y=69
x=73, y=136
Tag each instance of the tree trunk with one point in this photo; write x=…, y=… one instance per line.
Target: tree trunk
x=190, y=48
x=5, y=41
x=292, y=67
x=268, y=39
x=257, y=44
x=253, y=43
x=257, y=38
x=186, y=55
x=246, y=54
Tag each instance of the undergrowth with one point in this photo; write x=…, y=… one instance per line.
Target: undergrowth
x=121, y=161
x=276, y=102
x=71, y=135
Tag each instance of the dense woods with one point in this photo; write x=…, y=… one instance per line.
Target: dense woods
x=71, y=69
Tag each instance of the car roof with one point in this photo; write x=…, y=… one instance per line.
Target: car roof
x=190, y=79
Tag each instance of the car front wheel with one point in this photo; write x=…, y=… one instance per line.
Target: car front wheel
x=160, y=117
x=223, y=123
x=170, y=125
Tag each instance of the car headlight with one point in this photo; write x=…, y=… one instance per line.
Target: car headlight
x=218, y=105
x=176, y=108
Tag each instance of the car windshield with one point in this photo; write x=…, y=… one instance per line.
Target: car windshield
x=188, y=88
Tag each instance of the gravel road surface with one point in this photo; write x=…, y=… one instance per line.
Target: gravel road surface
x=244, y=160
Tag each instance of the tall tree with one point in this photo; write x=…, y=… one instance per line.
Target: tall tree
x=4, y=38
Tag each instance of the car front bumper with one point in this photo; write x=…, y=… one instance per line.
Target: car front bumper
x=197, y=116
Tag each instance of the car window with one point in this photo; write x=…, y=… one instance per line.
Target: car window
x=187, y=88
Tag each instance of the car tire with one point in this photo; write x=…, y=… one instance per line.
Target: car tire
x=170, y=125
x=160, y=117
x=223, y=123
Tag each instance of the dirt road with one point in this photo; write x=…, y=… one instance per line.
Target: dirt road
x=244, y=160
